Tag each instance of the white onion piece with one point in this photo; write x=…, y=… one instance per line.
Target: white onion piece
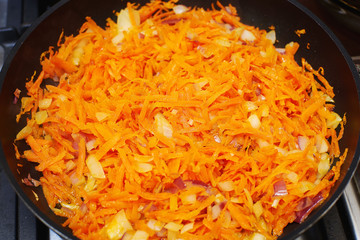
x=179, y=9
x=95, y=167
x=173, y=226
x=155, y=225
x=215, y=211
x=280, y=50
x=258, y=236
x=246, y=35
x=254, y=121
x=217, y=139
x=140, y=235
x=303, y=142
x=271, y=36
x=226, y=186
x=321, y=144
x=187, y=227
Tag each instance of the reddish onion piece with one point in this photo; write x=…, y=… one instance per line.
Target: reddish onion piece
x=171, y=21
x=201, y=198
x=304, y=213
x=83, y=208
x=222, y=205
x=141, y=36
x=304, y=203
x=27, y=182
x=171, y=188
x=199, y=183
x=257, y=91
x=179, y=183
x=280, y=188
x=16, y=95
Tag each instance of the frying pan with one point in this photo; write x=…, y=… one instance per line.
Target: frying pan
x=287, y=16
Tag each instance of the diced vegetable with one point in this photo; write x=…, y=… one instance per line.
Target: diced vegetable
x=163, y=126
x=40, y=117
x=95, y=167
x=118, y=226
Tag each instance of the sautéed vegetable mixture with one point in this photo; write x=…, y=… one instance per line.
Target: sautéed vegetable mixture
x=180, y=123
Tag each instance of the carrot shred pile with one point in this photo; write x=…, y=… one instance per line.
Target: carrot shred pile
x=182, y=123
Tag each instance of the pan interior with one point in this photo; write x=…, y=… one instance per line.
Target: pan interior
x=325, y=51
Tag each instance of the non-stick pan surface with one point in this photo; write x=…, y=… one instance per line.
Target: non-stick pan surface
x=287, y=16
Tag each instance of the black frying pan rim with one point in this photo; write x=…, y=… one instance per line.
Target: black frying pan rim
x=61, y=231
x=311, y=220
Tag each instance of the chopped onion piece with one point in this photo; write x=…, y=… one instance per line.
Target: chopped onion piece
x=62, y=97
x=250, y=106
x=41, y=116
x=334, y=121
x=305, y=186
x=118, y=226
x=180, y=183
x=95, y=167
x=275, y=203
x=219, y=198
x=258, y=236
x=246, y=35
x=124, y=23
x=69, y=206
x=173, y=226
x=304, y=213
x=280, y=50
x=101, y=116
x=172, y=235
x=179, y=9
x=143, y=167
x=321, y=144
x=303, y=142
x=262, y=143
x=258, y=209
x=140, y=235
x=143, y=158
x=223, y=42
x=217, y=139
x=90, y=184
x=271, y=35
x=254, y=121
x=155, y=225
x=90, y=144
x=280, y=188
x=215, y=211
x=226, y=186
x=188, y=198
x=187, y=227
x=26, y=131
x=293, y=177
x=324, y=165
x=70, y=165
x=45, y=103
x=163, y=126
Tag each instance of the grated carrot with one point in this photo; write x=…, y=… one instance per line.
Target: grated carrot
x=182, y=126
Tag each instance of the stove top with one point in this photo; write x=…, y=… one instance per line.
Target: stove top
x=341, y=222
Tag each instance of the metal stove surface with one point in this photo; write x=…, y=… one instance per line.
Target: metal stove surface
x=341, y=222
